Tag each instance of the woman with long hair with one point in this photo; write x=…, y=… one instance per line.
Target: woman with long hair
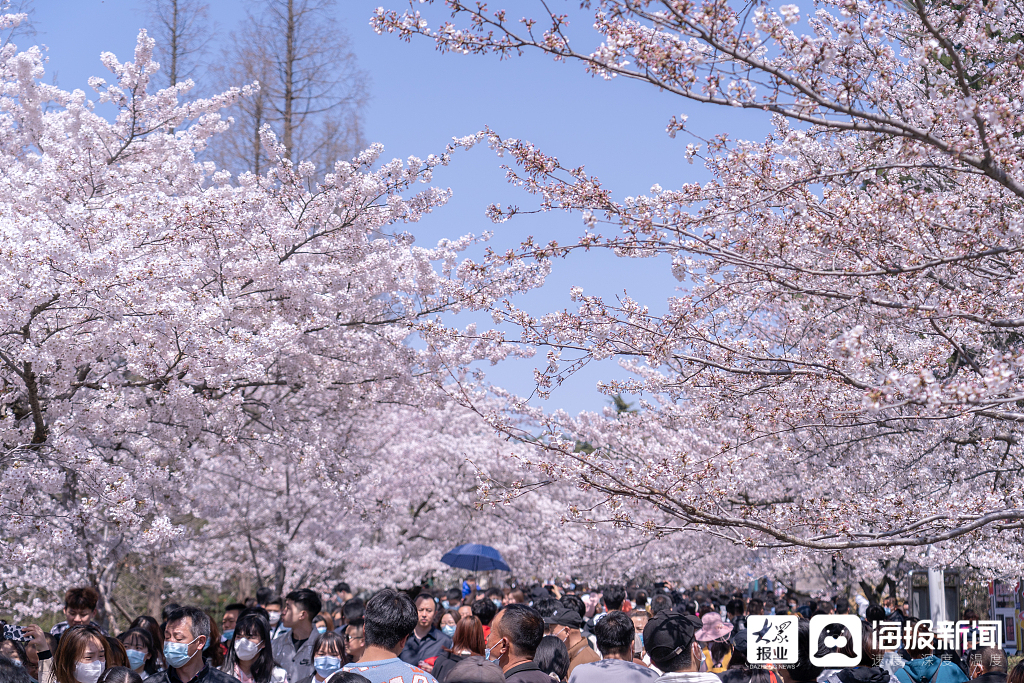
x=468, y=641
x=141, y=651
x=151, y=625
x=249, y=657
x=81, y=656
x=552, y=657
x=328, y=657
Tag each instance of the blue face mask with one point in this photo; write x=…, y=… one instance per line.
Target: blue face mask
x=226, y=636
x=449, y=630
x=321, y=629
x=136, y=659
x=497, y=602
x=177, y=655
x=325, y=666
x=446, y=604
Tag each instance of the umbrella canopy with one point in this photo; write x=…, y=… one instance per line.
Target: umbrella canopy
x=475, y=557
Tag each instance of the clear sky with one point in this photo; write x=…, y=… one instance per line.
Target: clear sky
x=420, y=99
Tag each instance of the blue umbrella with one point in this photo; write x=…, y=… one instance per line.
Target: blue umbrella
x=475, y=557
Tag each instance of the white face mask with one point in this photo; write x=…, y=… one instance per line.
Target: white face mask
x=274, y=617
x=245, y=649
x=89, y=672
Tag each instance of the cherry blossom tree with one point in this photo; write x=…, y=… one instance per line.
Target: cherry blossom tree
x=160, y=317
x=841, y=369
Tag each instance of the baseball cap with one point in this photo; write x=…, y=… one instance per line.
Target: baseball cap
x=475, y=670
x=669, y=634
x=564, y=616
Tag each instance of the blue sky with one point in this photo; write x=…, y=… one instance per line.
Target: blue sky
x=420, y=99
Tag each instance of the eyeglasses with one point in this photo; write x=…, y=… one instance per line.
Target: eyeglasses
x=350, y=638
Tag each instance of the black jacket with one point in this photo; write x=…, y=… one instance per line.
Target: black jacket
x=527, y=672
x=446, y=661
x=208, y=674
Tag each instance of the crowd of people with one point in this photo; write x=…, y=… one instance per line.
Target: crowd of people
x=536, y=634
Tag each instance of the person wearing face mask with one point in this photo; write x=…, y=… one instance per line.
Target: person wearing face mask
x=426, y=642
x=516, y=632
x=274, y=617
x=322, y=623
x=467, y=641
x=228, y=621
x=670, y=642
x=249, y=657
x=141, y=651
x=328, y=657
x=186, y=635
x=389, y=621
x=565, y=624
x=81, y=655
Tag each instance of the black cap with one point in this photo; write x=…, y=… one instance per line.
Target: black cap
x=669, y=634
x=564, y=616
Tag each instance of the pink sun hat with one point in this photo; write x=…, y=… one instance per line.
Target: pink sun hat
x=713, y=629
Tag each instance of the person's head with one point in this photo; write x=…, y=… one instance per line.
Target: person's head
x=641, y=599
x=516, y=597
x=390, y=618
x=168, y=608
x=985, y=660
x=1017, y=674
x=575, y=603
x=736, y=674
x=669, y=640
x=613, y=597
x=663, y=603
x=922, y=632
x=564, y=622
x=448, y=622
x=120, y=674
x=14, y=651
x=264, y=596
x=755, y=606
x=186, y=635
x=250, y=642
x=471, y=582
x=274, y=611
x=426, y=608
x=80, y=605
x=329, y=653
x=515, y=634
x=353, y=609
x=615, y=635
x=842, y=606
x=342, y=591
x=230, y=618
x=874, y=613
x=475, y=670
x=803, y=671
x=484, y=610
x=547, y=607
x=465, y=610
x=552, y=657
x=32, y=660
x=322, y=623
x=355, y=639
x=10, y=672
x=300, y=607
x=469, y=635
x=81, y=655
x=151, y=626
x=639, y=619
x=140, y=650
